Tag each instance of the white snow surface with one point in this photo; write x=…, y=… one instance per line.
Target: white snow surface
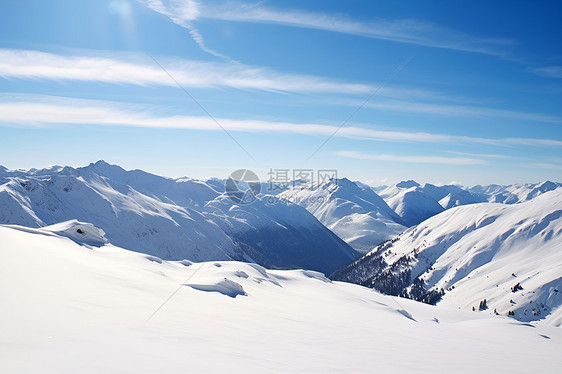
x=357, y=215
x=67, y=308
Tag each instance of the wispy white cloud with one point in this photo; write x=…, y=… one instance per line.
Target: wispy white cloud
x=403, y=30
x=403, y=101
x=183, y=13
x=139, y=70
x=479, y=155
x=198, y=38
x=533, y=142
x=179, y=11
x=544, y=165
x=549, y=71
x=44, y=111
x=454, y=110
x=412, y=159
x=29, y=64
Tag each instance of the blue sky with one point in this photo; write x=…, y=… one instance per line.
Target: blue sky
x=434, y=91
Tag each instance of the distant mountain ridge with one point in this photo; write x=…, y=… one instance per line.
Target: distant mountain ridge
x=415, y=203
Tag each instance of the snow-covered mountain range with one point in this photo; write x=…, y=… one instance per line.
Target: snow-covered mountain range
x=69, y=307
x=442, y=259
x=496, y=257
x=173, y=219
x=515, y=193
x=364, y=218
x=415, y=203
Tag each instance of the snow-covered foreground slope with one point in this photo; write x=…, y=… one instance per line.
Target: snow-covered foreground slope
x=171, y=218
x=509, y=255
x=68, y=308
x=357, y=215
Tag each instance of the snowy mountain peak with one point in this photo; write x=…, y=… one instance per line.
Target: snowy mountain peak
x=548, y=185
x=357, y=215
x=542, y=188
x=344, y=182
x=102, y=165
x=408, y=184
x=410, y=202
x=102, y=168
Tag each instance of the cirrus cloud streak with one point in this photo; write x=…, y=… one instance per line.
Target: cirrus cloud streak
x=421, y=159
x=411, y=31
x=136, y=70
x=47, y=110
